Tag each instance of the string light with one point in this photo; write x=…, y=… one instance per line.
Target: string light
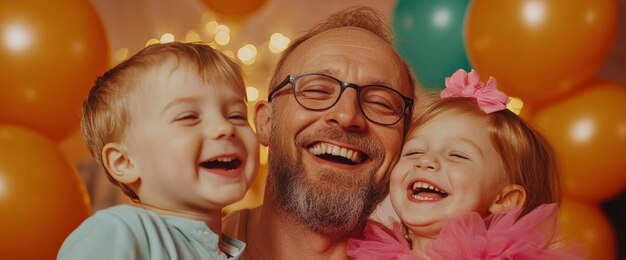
x=222, y=34
x=121, y=54
x=210, y=27
x=192, y=36
x=247, y=53
x=167, y=37
x=152, y=41
x=278, y=43
x=252, y=93
x=222, y=38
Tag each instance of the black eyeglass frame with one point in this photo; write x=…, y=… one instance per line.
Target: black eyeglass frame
x=292, y=78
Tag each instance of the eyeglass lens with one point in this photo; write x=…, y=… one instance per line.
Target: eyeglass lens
x=378, y=103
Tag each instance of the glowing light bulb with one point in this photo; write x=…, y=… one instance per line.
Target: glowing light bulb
x=222, y=28
x=121, y=54
x=210, y=27
x=192, y=36
x=247, y=53
x=278, y=43
x=252, y=93
x=222, y=38
x=152, y=41
x=167, y=37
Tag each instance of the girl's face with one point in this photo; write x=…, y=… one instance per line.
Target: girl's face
x=448, y=167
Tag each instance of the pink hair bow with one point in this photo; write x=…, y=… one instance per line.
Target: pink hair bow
x=488, y=97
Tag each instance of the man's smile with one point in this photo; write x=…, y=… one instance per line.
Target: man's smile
x=336, y=153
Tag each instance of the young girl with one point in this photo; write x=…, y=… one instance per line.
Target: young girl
x=473, y=182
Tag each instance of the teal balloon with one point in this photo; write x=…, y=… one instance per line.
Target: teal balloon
x=429, y=36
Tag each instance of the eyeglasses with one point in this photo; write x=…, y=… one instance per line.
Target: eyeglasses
x=379, y=104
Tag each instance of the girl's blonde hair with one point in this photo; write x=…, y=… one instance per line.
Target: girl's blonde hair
x=104, y=114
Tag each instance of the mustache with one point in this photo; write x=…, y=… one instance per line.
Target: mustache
x=356, y=139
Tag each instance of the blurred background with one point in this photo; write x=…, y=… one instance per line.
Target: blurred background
x=564, y=61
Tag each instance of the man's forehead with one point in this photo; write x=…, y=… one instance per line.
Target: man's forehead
x=346, y=50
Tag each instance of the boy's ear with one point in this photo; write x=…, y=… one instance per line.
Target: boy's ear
x=118, y=164
x=263, y=119
x=509, y=197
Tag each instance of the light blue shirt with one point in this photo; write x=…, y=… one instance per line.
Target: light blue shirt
x=125, y=232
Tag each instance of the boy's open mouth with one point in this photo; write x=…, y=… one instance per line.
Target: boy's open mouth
x=222, y=163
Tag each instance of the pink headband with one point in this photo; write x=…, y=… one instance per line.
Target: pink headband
x=488, y=97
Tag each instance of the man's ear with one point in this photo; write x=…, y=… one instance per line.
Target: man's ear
x=263, y=119
x=118, y=164
x=509, y=197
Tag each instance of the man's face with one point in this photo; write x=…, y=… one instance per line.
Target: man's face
x=315, y=174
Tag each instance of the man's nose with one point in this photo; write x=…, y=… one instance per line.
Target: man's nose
x=346, y=113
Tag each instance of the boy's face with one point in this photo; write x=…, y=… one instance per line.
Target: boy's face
x=448, y=167
x=189, y=141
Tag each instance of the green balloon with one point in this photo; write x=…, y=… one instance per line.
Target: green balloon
x=429, y=36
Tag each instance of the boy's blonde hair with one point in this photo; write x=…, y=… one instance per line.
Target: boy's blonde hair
x=528, y=158
x=104, y=114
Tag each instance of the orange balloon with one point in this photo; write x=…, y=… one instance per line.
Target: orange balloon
x=50, y=55
x=539, y=50
x=42, y=199
x=587, y=224
x=588, y=132
x=234, y=9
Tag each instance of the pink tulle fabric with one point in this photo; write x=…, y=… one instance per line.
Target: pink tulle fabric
x=378, y=242
x=471, y=237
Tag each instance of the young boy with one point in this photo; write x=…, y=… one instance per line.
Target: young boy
x=170, y=126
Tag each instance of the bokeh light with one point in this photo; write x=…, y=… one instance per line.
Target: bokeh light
x=278, y=43
x=252, y=93
x=121, y=54
x=167, y=37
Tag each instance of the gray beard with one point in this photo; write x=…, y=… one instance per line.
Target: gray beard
x=334, y=203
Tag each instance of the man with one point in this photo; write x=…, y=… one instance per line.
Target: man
x=335, y=119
